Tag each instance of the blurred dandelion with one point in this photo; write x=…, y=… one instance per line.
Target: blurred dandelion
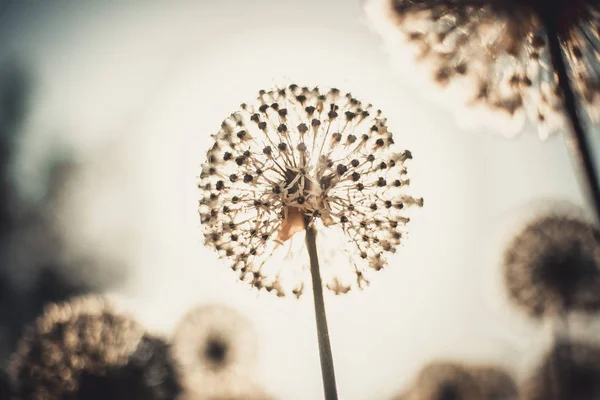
x=553, y=266
x=305, y=160
x=497, y=51
x=82, y=349
x=507, y=58
x=551, y=380
x=215, y=350
x=453, y=381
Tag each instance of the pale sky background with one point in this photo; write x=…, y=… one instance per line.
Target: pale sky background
x=134, y=90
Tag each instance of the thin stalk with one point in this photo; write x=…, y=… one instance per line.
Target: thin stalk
x=325, y=354
x=575, y=138
x=561, y=359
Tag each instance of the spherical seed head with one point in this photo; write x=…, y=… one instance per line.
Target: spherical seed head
x=494, y=53
x=215, y=350
x=81, y=338
x=449, y=381
x=553, y=265
x=444, y=381
x=568, y=371
x=314, y=158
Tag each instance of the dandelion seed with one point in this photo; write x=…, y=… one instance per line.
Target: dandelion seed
x=568, y=371
x=553, y=266
x=82, y=348
x=495, y=53
x=453, y=381
x=303, y=158
x=215, y=349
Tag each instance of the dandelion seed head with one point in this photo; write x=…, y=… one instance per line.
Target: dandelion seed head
x=446, y=380
x=82, y=337
x=494, y=53
x=571, y=368
x=305, y=157
x=553, y=265
x=215, y=351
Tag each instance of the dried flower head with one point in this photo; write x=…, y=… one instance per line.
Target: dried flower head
x=553, y=265
x=215, y=350
x=495, y=52
x=569, y=371
x=452, y=381
x=72, y=347
x=301, y=157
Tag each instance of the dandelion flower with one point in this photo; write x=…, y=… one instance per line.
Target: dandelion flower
x=553, y=266
x=496, y=52
x=215, y=350
x=453, y=381
x=568, y=371
x=79, y=348
x=305, y=158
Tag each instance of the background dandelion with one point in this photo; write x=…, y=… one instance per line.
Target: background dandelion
x=551, y=267
x=516, y=58
x=448, y=380
x=68, y=345
x=496, y=52
x=215, y=350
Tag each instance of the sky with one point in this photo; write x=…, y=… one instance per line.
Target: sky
x=131, y=93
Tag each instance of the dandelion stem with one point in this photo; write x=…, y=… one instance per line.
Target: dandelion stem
x=325, y=354
x=561, y=357
x=576, y=138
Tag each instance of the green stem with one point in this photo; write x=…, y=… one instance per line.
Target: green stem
x=325, y=354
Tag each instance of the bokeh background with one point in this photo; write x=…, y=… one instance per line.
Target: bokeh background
x=106, y=110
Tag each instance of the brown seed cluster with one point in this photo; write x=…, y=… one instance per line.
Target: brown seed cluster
x=497, y=51
x=83, y=337
x=553, y=266
x=449, y=380
x=304, y=157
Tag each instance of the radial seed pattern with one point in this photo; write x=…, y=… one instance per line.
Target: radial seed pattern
x=495, y=52
x=81, y=338
x=215, y=351
x=553, y=266
x=450, y=380
x=301, y=156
